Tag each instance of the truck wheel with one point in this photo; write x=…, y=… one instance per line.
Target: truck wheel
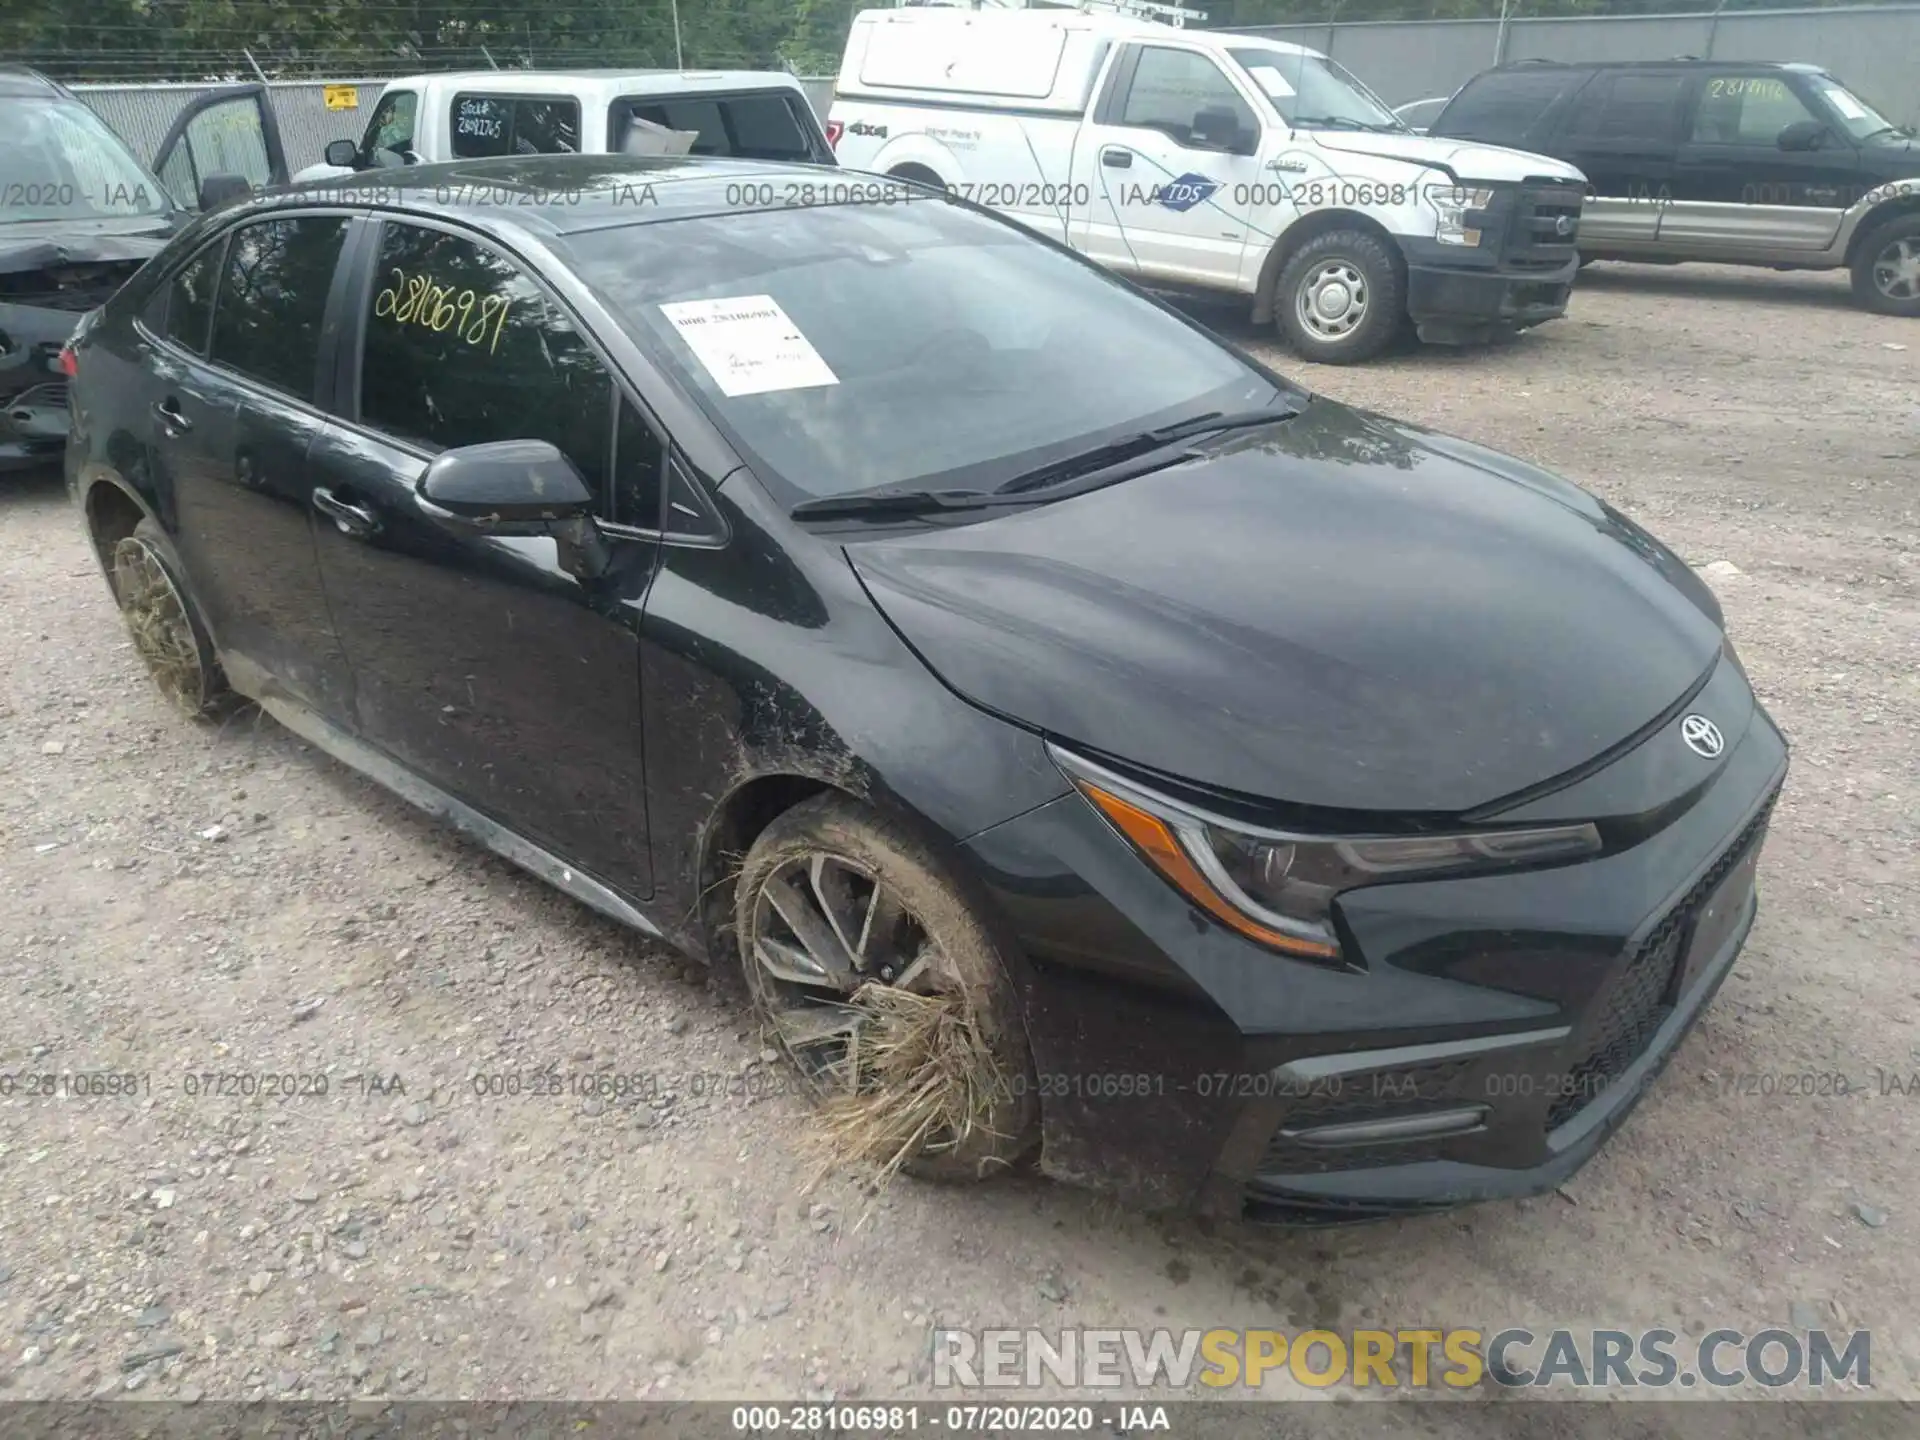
x=1886, y=272
x=167, y=632
x=1341, y=298
x=870, y=969
x=919, y=175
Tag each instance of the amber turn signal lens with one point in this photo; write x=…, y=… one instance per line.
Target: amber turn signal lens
x=1153, y=839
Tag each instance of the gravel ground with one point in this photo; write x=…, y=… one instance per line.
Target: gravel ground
x=183, y=902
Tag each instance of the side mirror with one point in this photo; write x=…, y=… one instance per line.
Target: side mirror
x=516, y=487
x=1217, y=130
x=342, y=153
x=1802, y=135
x=219, y=190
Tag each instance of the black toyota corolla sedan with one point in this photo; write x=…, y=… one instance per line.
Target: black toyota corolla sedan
x=1299, y=813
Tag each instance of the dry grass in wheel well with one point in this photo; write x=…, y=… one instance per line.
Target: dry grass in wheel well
x=919, y=1077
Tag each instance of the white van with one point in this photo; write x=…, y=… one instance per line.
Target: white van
x=1215, y=161
x=755, y=114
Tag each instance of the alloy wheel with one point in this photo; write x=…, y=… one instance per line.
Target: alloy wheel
x=1332, y=299
x=1896, y=269
x=824, y=928
x=157, y=619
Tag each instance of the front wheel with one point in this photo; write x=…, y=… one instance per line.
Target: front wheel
x=871, y=970
x=1886, y=271
x=1341, y=298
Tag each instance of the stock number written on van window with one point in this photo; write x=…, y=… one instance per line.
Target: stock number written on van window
x=416, y=300
x=1319, y=194
x=1764, y=87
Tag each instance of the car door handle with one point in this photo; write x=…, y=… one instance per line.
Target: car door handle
x=354, y=520
x=1114, y=158
x=167, y=412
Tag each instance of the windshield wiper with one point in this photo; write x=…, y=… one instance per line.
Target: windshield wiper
x=1147, y=441
x=890, y=502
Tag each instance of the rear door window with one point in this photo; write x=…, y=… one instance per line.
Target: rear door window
x=1630, y=109
x=273, y=293
x=485, y=125
x=1506, y=106
x=766, y=126
x=189, y=299
x=462, y=347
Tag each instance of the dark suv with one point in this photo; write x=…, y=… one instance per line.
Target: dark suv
x=1736, y=162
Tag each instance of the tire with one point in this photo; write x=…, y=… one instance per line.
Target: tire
x=168, y=634
x=1351, y=268
x=1886, y=269
x=832, y=856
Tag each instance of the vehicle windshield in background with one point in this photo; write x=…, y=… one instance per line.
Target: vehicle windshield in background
x=1861, y=120
x=59, y=161
x=857, y=346
x=752, y=127
x=1313, y=93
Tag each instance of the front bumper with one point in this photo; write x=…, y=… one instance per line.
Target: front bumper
x=1450, y=304
x=1495, y=1030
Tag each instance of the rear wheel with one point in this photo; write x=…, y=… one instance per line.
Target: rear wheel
x=872, y=972
x=919, y=174
x=167, y=632
x=1886, y=271
x=1341, y=298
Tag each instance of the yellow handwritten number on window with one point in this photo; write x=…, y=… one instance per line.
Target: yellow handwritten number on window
x=416, y=300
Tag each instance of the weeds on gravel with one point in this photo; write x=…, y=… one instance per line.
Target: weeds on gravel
x=919, y=1077
x=159, y=626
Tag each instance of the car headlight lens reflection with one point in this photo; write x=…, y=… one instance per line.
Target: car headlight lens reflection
x=1278, y=889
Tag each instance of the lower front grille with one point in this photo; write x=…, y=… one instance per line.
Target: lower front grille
x=1350, y=1099
x=1641, y=996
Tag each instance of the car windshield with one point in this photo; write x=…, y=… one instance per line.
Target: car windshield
x=1313, y=93
x=854, y=347
x=1861, y=120
x=59, y=161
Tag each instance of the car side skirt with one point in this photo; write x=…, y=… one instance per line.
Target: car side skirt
x=508, y=844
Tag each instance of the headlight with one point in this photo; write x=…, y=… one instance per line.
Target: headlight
x=1453, y=202
x=1278, y=888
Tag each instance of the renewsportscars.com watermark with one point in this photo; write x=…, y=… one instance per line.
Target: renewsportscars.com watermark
x=1454, y=1359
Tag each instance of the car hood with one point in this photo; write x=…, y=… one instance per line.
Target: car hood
x=1467, y=159
x=48, y=245
x=1338, y=611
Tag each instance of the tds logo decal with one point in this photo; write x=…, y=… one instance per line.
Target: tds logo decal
x=1183, y=194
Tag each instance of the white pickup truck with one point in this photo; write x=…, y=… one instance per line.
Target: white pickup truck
x=1213, y=161
x=754, y=114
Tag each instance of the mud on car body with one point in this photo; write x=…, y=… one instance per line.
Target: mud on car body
x=1294, y=810
x=79, y=215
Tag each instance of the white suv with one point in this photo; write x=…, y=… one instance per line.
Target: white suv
x=1216, y=161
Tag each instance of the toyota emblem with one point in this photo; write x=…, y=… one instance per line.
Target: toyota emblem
x=1703, y=737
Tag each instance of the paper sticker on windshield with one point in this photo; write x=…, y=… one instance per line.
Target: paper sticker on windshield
x=749, y=345
x=1272, y=81
x=1847, y=105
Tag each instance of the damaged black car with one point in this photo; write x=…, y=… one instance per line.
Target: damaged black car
x=1086, y=749
x=80, y=214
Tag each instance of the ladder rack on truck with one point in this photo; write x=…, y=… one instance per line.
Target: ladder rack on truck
x=1174, y=15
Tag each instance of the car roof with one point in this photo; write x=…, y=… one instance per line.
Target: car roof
x=557, y=195
x=1677, y=62
x=612, y=82
x=19, y=80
